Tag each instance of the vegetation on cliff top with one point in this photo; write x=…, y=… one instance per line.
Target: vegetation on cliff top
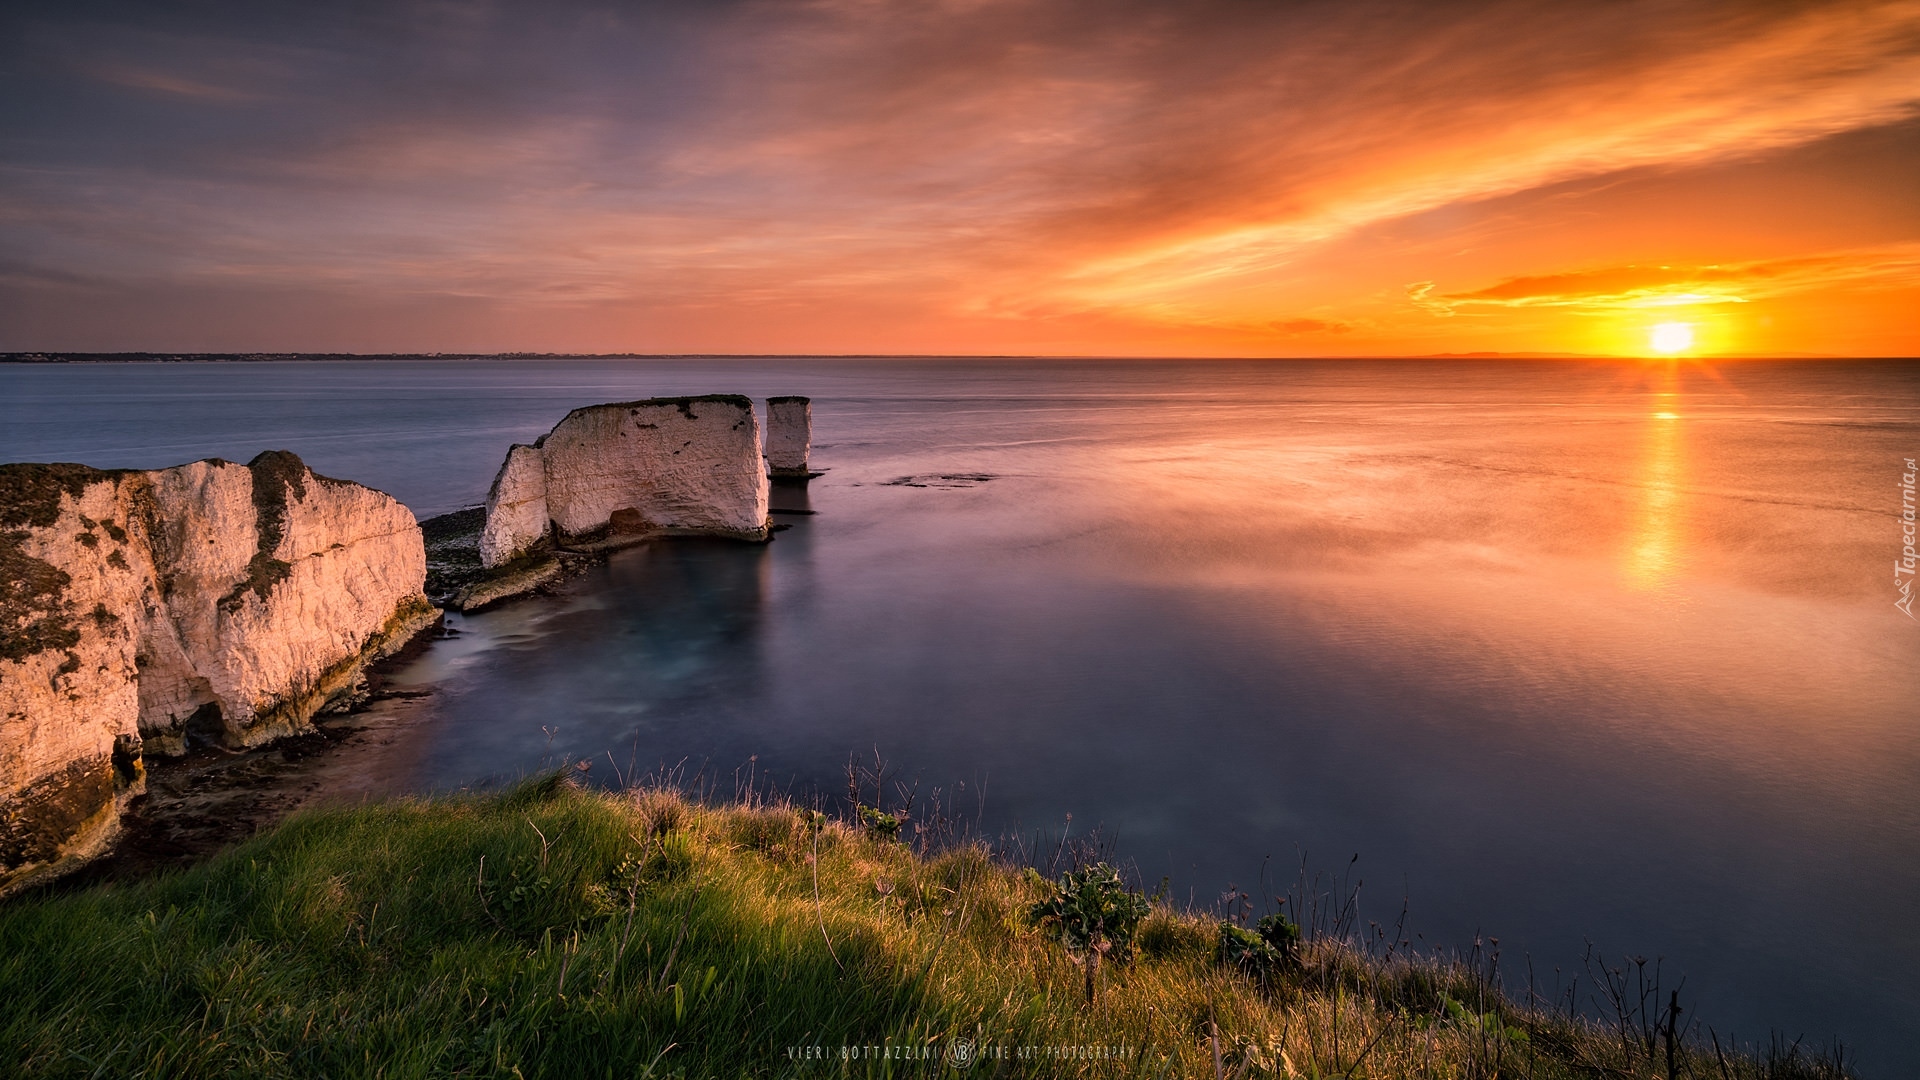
x=684, y=404
x=33, y=612
x=279, y=477
x=548, y=931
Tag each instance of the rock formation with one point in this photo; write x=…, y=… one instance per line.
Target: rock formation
x=609, y=474
x=210, y=602
x=789, y=435
x=516, y=507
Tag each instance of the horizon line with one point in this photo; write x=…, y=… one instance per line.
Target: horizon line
x=266, y=356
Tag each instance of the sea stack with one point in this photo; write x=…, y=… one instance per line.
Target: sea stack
x=211, y=602
x=789, y=435
x=516, y=507
x=611, y=475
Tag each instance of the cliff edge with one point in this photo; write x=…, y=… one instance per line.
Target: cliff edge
x=210, y=602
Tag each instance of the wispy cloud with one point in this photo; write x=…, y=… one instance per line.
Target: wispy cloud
x=1448, y=126
x=161, y=82
x=978, y=170
x=1635, y=287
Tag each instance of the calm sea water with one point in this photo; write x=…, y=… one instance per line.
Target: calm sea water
x=1562, y=651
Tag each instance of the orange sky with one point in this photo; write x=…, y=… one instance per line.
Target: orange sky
x=975, y=176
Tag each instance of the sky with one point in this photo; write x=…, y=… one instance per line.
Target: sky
x=1068, y=177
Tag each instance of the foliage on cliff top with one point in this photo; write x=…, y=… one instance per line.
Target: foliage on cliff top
x=279, y=477
x=547, y=932
x=684, y=404
x=30, y=491
x=33, y=610
x=33, y=615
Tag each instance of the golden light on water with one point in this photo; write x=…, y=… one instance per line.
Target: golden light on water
x=1654, y=550
x=1671, y=337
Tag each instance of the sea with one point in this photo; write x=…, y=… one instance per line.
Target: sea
x=1563, y=655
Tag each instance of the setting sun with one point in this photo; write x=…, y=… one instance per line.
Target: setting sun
x=1672, y=337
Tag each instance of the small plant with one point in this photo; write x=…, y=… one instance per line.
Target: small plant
x=1269, y=949
x=1094, y=915
x=518, y=897
x=1489, y=1023
x=1245, y=950
x=528, y=901
x=879, y=823
x=1283, y=936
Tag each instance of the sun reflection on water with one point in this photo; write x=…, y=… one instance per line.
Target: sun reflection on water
x=1653, y=554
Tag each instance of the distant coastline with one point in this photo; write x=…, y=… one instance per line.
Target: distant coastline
x=49, y=357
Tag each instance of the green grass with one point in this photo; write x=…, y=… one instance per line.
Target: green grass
x=553, y=932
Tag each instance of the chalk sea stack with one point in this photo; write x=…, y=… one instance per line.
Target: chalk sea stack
x=611, y=475
x=209, y=602
x=789, y=436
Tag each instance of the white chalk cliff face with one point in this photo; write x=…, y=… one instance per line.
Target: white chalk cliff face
x=636, y=468
x=226, y=603
x=516, y=507
x=789, y=435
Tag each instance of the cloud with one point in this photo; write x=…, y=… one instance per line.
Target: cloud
x=1309, y=326
x=965, y=163
x=1398, y=128
x=1421, y=294
x=1613, y=288
x=163, y=83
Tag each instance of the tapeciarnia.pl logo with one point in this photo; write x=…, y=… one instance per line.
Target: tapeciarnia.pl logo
x=1903, y=567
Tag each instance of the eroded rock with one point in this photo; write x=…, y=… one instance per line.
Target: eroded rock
x=212, y=601
x=610, y=474
x=517, y=518
x=789, y=435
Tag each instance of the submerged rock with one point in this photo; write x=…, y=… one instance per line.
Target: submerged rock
x=515, y=579
x=212, y=602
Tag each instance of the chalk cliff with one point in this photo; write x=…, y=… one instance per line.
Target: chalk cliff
x=516, y=507
x=607, y=473
x=212, y=601
x=789, y=435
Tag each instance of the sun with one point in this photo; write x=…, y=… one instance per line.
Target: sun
x=1672, y=337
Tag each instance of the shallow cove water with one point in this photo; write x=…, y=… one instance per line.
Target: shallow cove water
x=1563, y=651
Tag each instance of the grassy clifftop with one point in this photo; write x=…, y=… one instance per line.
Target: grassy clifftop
x=554, y=932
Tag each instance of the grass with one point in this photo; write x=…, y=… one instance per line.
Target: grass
x=552, y=932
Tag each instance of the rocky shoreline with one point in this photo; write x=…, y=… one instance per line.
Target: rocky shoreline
x=457, y=581
x=148, y=612
x=208, y=800
x=188, y=652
